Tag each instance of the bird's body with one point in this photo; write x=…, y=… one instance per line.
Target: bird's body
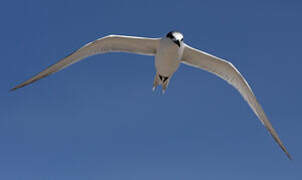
x=169, y=52
x=167, y=60
x=167, y=57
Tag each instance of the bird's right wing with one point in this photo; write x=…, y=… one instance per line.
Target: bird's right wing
x=228, y=72
x=111, y=43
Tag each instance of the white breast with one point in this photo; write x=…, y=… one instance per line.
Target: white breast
x=167, y=57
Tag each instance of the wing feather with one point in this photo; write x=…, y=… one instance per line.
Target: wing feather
x=229, y=73
x=111, y=43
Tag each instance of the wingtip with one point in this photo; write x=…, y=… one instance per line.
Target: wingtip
x=17, y=87
x=13, y=89
x=289, y=156
x=286, y=152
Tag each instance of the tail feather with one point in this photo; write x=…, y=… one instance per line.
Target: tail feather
x=156, y=82
x=160, y=80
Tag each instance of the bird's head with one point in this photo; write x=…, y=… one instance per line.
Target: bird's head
x=176, y=37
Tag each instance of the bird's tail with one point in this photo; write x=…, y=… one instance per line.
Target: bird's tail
x=156, y=81
x=160, y=80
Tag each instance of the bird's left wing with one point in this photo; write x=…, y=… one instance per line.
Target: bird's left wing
x=229, y=73
x=111, y=43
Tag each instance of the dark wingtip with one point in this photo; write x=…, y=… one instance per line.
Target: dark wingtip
x=16, y=87
x=286, y=152
x=289, y=156
x=13, y=89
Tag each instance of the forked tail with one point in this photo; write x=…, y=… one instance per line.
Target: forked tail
x=160, y=80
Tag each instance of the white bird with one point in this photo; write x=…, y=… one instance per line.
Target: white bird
x=169, y=52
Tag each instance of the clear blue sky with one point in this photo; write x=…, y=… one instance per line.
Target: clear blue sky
x=99, y=119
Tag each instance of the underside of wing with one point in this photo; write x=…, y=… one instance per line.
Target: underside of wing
x=229, y=73
x=111, y=43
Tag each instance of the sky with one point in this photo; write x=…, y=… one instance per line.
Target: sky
x=99, y=119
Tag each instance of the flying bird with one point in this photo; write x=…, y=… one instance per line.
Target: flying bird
x=169, y=52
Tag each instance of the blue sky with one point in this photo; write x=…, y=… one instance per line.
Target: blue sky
x=99, y=119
